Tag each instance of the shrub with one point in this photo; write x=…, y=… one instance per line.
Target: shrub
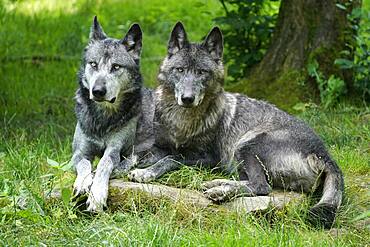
x=361, y=42
x=247, y=27
x=330, y=89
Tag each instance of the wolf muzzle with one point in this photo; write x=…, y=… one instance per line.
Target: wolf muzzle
x=99, y=92
x=187, y=96
x=187, y=100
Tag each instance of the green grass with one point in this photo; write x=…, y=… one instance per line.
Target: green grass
x=37, y=122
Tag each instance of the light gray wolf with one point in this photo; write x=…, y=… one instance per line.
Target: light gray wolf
x=108, y=108
x=196, y=121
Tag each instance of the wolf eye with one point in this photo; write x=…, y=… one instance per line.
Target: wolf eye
x=202, y=71
x=93, y=65
x=180, y=69
x=116, y=67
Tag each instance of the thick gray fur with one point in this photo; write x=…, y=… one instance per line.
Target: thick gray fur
x=107, y=122
x=196, y=121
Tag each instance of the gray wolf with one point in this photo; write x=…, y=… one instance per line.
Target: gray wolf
x=196, y=121
x=108, y=108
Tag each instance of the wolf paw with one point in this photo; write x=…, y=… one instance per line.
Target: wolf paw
x=97, y=198
x=220, y=193
x=214, y=183
x=219, y=190
x=82, y=184
x=141, y=175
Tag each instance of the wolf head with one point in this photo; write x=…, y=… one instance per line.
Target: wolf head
x=110, y=67
x=192, y=71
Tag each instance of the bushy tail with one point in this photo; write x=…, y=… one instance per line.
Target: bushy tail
x=323, y=213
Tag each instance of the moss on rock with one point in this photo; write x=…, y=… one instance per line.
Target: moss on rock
x=286, y=91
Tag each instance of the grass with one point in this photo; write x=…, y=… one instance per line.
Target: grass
x=40, y=47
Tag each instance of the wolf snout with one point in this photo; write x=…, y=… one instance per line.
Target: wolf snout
x=99, y=91
x=187, y=100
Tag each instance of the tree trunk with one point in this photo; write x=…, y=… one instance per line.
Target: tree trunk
x=305, y=30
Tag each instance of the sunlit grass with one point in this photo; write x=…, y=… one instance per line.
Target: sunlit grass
x=34, y=7
x=60, y=31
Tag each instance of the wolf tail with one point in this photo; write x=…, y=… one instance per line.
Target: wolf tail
x=323, y=213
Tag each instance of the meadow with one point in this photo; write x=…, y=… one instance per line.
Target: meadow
x=41, y=43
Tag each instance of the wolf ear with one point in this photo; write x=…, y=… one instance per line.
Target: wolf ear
x=96, y=31
x=178, y=39
x=133, y=41
x=214, y=43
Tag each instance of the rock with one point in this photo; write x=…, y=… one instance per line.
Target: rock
x=161, y=191
x=276, y=199
x=54, y=194
x=122, y=194
x=338, y=232
x=249, y=204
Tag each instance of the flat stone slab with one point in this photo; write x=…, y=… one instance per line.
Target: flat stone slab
x=161, y=191
x=277, y=199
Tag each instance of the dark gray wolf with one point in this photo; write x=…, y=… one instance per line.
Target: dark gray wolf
x=197, y=121
x=108, y=108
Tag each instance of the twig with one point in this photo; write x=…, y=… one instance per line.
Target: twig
x=224, y=6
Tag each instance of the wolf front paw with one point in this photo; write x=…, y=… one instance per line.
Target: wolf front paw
x=214, y=183
x=219, y=190
x=82, y=184
x=220, y=193
x=97, y=200
x=141, y=175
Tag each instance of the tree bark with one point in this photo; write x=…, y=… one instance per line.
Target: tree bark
x=305, y=30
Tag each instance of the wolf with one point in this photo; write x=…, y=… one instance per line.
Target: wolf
x=196, y=121
x=108, y=108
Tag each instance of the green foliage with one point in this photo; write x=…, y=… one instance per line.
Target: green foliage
x=330, y=89
x=360, y=44
x=247, y=28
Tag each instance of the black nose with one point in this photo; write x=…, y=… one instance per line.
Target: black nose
x=99, y=91
x=187, y=100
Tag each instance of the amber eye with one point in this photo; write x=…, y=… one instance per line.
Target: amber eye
x=116, y=67
x=93, y=65
x=180, y=69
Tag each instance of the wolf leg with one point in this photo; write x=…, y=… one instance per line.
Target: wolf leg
x=161, y=167
x=252, y=182
x=126, y=165
x=83, y=154
x=219, y=190
x=99, y=189
x=84, y=176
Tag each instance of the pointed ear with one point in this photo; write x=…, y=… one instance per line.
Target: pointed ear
x=133, y=41
x=96, y=31
x=214, y=43
x=178, y=39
